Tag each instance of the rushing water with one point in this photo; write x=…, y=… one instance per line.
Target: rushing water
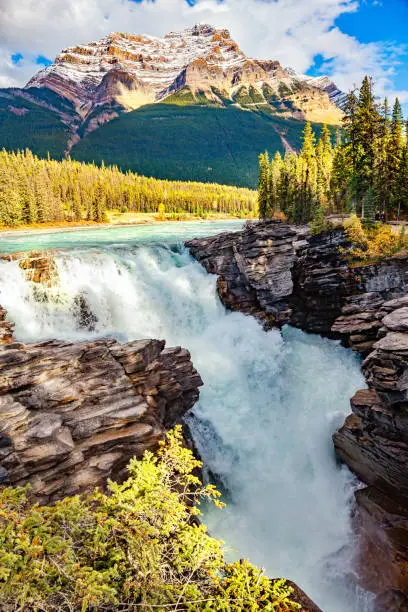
x=269, y=404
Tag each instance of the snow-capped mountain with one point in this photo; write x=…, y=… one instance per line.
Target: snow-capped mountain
x=129, y=71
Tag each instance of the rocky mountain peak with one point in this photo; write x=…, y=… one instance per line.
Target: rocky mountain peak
x=153, y=64
x=131, y=70
x=90, y=84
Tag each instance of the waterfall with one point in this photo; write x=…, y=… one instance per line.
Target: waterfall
x=269, y=404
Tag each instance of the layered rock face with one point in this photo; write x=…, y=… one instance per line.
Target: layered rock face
x=6, y=328
x=72, y=415
x=282, y=275
x=254, y=268
x=373, y=442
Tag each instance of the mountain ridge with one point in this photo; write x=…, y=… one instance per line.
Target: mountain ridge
x=127, y=71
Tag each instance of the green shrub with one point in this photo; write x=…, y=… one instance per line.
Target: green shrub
x=374, y=242
x=139, y=546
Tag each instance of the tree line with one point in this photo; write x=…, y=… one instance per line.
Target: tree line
x=364, y=170
x=34, y=190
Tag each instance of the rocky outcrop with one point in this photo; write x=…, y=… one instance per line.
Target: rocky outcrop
x=282, y=275
x=6, y=328
x=279, y=274
x=373, y=442
x=254, y=268
x=39, y=266
x=72, y=415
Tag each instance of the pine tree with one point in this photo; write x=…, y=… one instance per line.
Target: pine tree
x=351, y=140
x=98, y=204
x=304, y=205
x=401, y=191
x=76, y=205
x=308, y=152
x=324, y=163
x=318, y=224
x=368, y=121
x=28, y=204
x=382, y=182
x=369, y=208
x=395, y=148
x=274, y=178
x=341, y=176
x=362, y=127
x=264, y=186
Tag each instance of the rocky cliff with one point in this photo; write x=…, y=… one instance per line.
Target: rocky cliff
x=281, y=275
x=73, y=414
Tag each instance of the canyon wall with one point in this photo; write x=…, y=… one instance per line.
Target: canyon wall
x=282, y=275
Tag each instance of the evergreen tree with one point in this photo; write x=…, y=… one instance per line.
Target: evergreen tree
x=324, y=163
x=98, y=204
x=351, y=141
x=395, y=148
x=264, y=186
x=76, y=205
x=28, y=204
x=401, y=190
x=369, y=208
x=382, y=182
x=341, y=176
x=306, y=199
x=318, y=224
x=274, y=178
x=368, y=122
x=308, y=152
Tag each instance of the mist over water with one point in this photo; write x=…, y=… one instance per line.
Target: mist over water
x=269, y=404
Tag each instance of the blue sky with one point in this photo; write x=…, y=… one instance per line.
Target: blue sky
x=342, y=38
x=382, y=21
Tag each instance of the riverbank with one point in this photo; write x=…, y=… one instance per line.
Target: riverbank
x=115, y=220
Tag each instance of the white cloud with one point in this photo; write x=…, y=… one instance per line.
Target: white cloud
x=293, y=31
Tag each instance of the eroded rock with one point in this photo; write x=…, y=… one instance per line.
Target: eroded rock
x=6, y=328
x=73, y=414
x=254, y=268
x=39, y=266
